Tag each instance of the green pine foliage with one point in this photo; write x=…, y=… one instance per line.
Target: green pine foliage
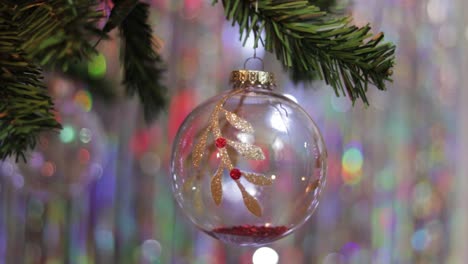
x=25, y=107
x=310, y=42
x=55, y=34
x=119, y=13
x=143, y=67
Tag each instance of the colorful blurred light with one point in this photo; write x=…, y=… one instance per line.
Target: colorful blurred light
x=67, y=134
x=97, y=66
x=140, y=142
x=36, y=160
x=48, y=169
x=85, y=135
x=420, y=240
x=84, y=156
x=191, y=8
x=437, y=10
x=17, y=180
x=349, y=248
x=7, y=168
x=84, y=99
x=352, y=160
x=352, y=178
x=96, y=170
x=151, y=250
x=265, y=255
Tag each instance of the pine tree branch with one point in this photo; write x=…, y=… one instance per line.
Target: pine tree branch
x=143, y=67
x=119, y=13
x=309, y=41
x=33, y=33
x=25, y=108
x=56, y=33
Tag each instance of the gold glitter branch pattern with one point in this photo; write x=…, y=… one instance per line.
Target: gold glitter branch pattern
x=248, y=151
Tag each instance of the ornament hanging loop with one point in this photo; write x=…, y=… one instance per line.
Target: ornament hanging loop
x=254, y=58
x=247, y=77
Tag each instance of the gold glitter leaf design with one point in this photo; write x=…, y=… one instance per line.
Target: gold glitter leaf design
x=247, y=150
x=199, y=149
x=216, y=186
x=257, y=178
x=225, y=159
x=250, y=202
x=238, y=122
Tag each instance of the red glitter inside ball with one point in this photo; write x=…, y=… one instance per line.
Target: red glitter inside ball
x=256, y=234
x=220, y=142
x=235, y=174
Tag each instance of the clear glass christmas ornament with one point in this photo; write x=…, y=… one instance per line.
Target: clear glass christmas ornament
x=64, y=162
x=249, y=164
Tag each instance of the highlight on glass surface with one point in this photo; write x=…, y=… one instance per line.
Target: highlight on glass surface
x=248, y=165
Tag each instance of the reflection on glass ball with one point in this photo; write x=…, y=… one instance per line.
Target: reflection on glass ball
x=64, y=162
x=248, y=166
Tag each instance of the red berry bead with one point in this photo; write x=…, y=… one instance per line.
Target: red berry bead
x=235, y=174
x=220, y=142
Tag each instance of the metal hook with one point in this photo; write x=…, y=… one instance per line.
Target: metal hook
x=254, y=58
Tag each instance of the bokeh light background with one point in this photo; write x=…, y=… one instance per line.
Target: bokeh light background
x=397, y=179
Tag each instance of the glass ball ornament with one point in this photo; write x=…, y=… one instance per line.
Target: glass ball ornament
x=248, y=165
x=65, y=162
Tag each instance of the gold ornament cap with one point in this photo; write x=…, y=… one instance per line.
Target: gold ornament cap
x=242, y=78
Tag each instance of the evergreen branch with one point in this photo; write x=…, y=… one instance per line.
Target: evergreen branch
x=143, y=67
x=53, y=34
x=118, y=14
x=56, y=32
x=309, y=41
x=25, y=108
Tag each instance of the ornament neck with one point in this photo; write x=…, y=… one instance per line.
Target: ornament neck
x=248, y=78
